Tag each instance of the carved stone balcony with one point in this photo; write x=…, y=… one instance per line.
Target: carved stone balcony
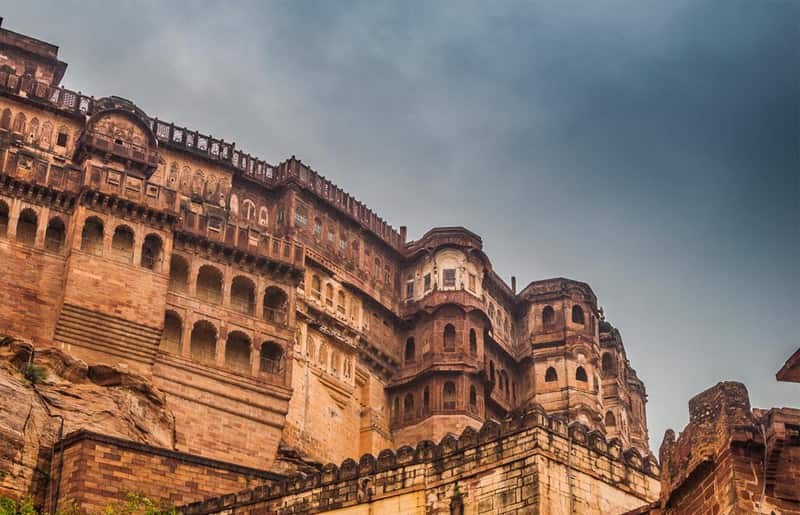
x=436, y=298
x=146, y=157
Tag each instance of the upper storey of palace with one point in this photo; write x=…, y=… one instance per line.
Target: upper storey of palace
x=215, y=171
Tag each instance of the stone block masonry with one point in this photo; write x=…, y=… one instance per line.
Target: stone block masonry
x=94, y=471
x=531, y=463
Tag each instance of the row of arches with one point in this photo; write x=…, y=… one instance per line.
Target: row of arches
x=408, y=413
x=506, y=387
x=122, y=244
x=332, y=361
x=551, y=376
x=28, y=226
x=448, y=344
x=33, y=132
x=549, y=316
x=209, y=287
x=238, y=347
x=332, y=298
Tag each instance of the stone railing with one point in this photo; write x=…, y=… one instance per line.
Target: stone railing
x=229, y=235
x=63, y=99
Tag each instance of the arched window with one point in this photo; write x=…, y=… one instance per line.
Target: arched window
x=426, y=399
x=410, y=351
x=26, y=226
x=178, y=274
x=577, y=315
x=122, y=243
x=152, y=252
x=340, y=302
x=580, y=374
x=504, y=381
x=271, y=357
x=55, y=235
x=275, y=302
x=449, y=338
x=237, y=351
x=3, y=218
x=609, y=367
x=336, y=362
x=322, y=359
x=209, y=284
x=33, y=130
x=263, y=216
x=317, y=227
x=491, y=371
x=248, y=210
x=610, y=420
x=316, y=287
x=548, y=317
x=19, y=123
x=173, y=332
x=408, y=407
x=311, y=349
x=46, y=135
x=396, y=408
x=449, y=395
x=329, y=294
x=5, y=120
x=473, y=398
x=550, y=376
x=473, y=342
x=243, y=295
x=92, y=236
x=203, y=343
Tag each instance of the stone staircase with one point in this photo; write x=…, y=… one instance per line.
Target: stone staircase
x=98, y=332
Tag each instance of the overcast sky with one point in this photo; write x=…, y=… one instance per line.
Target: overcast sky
x=649, y=148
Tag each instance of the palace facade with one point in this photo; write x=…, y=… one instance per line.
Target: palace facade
x=274, y=310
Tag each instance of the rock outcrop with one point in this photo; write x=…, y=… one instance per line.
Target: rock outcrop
x=46, y=393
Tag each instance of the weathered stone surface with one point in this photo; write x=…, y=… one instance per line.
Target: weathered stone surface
x=97, y=398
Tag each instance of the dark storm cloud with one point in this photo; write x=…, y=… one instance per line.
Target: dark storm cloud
x=648, y=148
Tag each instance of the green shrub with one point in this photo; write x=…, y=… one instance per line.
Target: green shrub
x=34, y=373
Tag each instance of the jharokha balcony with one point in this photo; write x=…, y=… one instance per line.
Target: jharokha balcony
x=436, y=298
x=142, y=155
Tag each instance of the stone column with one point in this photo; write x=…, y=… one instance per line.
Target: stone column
x=222, y=337
x=186, y=336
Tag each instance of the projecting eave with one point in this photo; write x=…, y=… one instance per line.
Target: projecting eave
x=556, y=284
x=790, y=371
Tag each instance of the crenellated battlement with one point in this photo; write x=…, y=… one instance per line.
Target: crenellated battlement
x=447, y=465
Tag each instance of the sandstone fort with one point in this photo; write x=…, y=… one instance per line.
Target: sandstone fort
x=225, y=333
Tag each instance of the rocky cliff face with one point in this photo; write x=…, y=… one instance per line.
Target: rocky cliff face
x=45, y=393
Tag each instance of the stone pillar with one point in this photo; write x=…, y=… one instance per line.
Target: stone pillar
x=186, y=337
x=194, y=267
x=227, y=277
x=138, y=241
x=222, y=337
x=41, y=228
x=255, y=355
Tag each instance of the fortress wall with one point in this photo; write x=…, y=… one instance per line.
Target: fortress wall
x=99, y=470
x=530, y=464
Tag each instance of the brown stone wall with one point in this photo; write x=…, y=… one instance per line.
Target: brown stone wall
x=220, y=414
x=97, y=471
x=717, y=465
x=32, y=290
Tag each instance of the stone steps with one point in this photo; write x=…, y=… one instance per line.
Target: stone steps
x=107, y=334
